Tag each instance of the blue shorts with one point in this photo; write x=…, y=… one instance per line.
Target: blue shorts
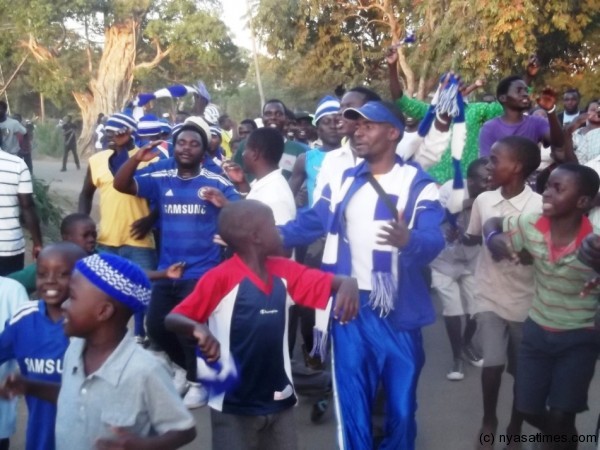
x=555, y=368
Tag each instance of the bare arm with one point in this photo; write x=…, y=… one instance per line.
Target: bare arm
x=124, y=181
x=395, y=85
x=185, y=326
x=87, y=194
x=17, y=385
x=32, y=222
x=170, y=440
x=298, y=174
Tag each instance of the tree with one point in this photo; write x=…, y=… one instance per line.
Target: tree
x=343, y=40
x=93, y=49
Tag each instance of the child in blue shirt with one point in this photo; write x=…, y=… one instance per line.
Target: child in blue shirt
x=35, y=338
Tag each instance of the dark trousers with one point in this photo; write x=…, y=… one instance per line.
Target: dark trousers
x=73, y=149
x=10, y=264
x=166, y=294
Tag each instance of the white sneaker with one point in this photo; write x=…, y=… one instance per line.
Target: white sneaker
x=179, y=379
x=196, y=396
x=457, y=373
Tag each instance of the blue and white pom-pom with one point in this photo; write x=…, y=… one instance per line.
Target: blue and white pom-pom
x=217, y=377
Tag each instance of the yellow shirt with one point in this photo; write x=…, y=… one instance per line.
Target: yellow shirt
x=225, y=139
x=117, y=211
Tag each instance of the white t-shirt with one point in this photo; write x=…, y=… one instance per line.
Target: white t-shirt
x=335, y=163
x=274, y=191
x=14, y=179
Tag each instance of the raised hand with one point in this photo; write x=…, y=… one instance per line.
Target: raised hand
x=391, y=55
x=213, y=196
x=533, y=66
x=234, y=172
x=547, y=98
x=148, y=152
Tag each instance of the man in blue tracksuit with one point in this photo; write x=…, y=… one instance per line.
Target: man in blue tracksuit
x=382, y=225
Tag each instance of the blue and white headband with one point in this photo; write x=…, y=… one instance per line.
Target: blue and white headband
x=118, y=278
x=120, y=123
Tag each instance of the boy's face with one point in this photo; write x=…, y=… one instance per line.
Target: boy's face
x=328, y=132
x=52, y=277
x=502, y=167
x=188, y=149
x=81, y=309
x=478, y=183
x=84, y=234
x=517, y=97
x=562, y=194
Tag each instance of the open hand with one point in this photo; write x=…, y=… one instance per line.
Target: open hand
x=346, y=301
x=394, y=233
x=547, y=98
x=148, y=152
x=208, y=344
x=214, y=196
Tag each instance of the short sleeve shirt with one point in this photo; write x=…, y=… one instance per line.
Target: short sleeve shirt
x=131, y=390
x=274, y=191
x=14, y=179
x=249, y=318
x=559, y=275
x=531, y=127
x=188, y=223
x=9, y=129
x=502, y=287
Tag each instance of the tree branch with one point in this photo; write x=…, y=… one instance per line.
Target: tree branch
x=14, y=74
x=160, y=55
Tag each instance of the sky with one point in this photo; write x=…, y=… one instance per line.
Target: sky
x=233, y=12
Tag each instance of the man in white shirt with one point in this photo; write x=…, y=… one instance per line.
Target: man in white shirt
x=16, y=198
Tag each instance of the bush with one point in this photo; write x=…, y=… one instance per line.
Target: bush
x=49, y=213
x=48, y=140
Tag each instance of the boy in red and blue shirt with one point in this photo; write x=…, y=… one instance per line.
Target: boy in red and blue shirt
x=245, y=301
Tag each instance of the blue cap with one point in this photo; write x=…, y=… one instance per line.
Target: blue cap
x=375, y=112
x=118, y=278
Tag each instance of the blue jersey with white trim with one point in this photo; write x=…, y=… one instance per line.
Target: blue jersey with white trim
x=187, y=223
x=38, y=344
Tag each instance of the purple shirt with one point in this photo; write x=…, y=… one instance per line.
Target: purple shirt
x=531, y=127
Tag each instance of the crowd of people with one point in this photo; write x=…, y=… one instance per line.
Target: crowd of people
x=220, y=244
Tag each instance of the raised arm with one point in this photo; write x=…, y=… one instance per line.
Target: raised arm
x=124, y=181
x=547, y=101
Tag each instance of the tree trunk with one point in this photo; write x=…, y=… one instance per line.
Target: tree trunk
x=111, y=86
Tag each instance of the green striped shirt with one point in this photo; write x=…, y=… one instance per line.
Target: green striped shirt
x=556, y=303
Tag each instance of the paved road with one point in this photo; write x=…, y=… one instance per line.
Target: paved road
x=449, y=412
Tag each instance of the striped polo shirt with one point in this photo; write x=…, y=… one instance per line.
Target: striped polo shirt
x=559, y=275
x=14, y=179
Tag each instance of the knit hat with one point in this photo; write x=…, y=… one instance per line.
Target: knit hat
x=327, y=106
x=120, y=123
x=200, y=124
x=165, y=127
x=216, y=132
x=149, y=125
x=118, y=278
x=211, y=114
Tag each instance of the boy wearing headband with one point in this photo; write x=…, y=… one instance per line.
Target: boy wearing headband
x=113, y=392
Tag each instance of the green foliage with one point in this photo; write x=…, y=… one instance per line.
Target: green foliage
x=48, y=140
x=48, y=211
